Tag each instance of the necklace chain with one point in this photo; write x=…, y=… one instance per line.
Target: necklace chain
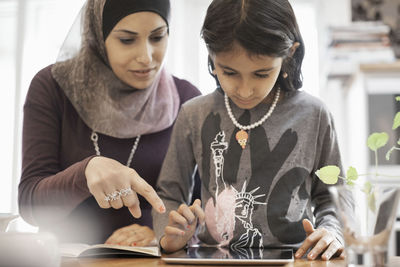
x=257, y=123
x=94, y=137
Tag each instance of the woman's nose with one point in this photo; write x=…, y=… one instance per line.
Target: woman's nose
x=144, y=53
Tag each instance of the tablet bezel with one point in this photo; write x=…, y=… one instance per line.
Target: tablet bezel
x=181, y=257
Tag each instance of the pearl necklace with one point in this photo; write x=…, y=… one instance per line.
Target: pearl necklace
x=242, y=135
x=94, y=137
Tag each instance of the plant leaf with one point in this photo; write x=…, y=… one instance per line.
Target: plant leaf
x=328, y=174
x=396, y=121
x=352, y=174
x=377, y=140
x=367, y=187
x=397, y=98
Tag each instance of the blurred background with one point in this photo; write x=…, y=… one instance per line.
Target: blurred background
x=350, y=63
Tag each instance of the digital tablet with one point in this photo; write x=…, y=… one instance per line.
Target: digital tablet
x=239, y=256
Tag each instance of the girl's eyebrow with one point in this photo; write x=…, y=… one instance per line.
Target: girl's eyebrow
x=135, y=33
x=260, y=70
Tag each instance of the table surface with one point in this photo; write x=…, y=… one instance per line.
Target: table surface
x=148, y=262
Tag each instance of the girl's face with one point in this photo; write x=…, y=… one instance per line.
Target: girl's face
x=247, y=80
x=136, y=48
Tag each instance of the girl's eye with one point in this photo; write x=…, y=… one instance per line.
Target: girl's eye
x=262, y=75
x=229, y=73
x=126, y=40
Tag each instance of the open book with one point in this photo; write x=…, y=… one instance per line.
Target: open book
x=84, y=250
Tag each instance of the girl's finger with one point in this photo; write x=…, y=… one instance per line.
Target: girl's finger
x=322, y=245
x=170, y=230
x=334, y=248
x=308, y=243
x=176, y=218
x=198, y=212
x=186, y=212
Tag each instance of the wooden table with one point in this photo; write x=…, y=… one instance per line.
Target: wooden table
x=150, y=262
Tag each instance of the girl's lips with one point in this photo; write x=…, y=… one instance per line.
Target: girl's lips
x=244, y=102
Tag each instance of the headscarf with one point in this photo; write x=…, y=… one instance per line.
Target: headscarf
x=105, y=103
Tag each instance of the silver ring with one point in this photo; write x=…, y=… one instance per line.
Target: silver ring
x=113, y=196
x=125, y=192
x=118, y=194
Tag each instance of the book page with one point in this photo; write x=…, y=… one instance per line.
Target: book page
x=84, y=250
x=72, y=249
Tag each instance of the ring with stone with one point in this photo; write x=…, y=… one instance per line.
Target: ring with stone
x=125, y=192
x=113, y=196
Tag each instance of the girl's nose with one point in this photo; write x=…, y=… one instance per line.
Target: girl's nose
x=244, y=90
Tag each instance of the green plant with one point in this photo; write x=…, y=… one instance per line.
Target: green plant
x=331, y=174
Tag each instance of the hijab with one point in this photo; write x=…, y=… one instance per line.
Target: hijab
x=105, y=103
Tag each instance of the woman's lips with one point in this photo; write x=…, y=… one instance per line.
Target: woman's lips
x=145, y=73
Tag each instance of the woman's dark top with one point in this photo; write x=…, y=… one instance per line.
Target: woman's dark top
x=56, y=148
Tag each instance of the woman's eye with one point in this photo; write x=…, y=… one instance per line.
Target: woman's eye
x=229, y=73
x=126, y=40
x=262, y=75
x=156, y=38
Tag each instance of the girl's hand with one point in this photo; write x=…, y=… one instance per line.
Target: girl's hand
x=115, y=185
x=181, y=226
x=133, y=235
x=322, y=241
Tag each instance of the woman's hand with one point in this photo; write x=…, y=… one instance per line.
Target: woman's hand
x=133, y=235
x=181, y=226
x=322, y=241
x=115, y=185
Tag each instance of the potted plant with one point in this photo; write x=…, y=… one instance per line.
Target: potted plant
x=367, y=210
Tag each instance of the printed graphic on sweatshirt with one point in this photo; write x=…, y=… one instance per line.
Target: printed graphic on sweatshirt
x=233, y=214
x=231, y=205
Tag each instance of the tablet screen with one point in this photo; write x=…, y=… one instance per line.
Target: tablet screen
x=219, y=255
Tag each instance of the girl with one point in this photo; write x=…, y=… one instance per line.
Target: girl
x=97, y=119
x=256, y=141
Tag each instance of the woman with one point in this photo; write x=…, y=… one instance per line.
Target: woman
x=96, y=122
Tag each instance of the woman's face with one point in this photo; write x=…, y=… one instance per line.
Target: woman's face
x=247, y=80
x=136, y=48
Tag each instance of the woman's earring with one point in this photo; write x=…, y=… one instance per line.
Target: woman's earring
x=284, y=75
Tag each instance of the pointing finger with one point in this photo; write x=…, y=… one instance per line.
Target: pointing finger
x=147, y=191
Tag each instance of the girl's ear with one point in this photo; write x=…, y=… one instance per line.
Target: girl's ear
x=294, y=48
x=211, y=66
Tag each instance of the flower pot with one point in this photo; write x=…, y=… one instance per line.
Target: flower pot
x=367, y=219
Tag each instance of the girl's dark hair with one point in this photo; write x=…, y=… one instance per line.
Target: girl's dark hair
x=262, y=27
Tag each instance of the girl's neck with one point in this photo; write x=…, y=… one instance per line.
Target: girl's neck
x=270, y=97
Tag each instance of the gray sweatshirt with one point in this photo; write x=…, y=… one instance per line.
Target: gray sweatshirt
x=259, y=195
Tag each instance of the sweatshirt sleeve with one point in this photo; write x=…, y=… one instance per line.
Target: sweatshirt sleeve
x=327, y=154
x=47, y=193
x=176, y=180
